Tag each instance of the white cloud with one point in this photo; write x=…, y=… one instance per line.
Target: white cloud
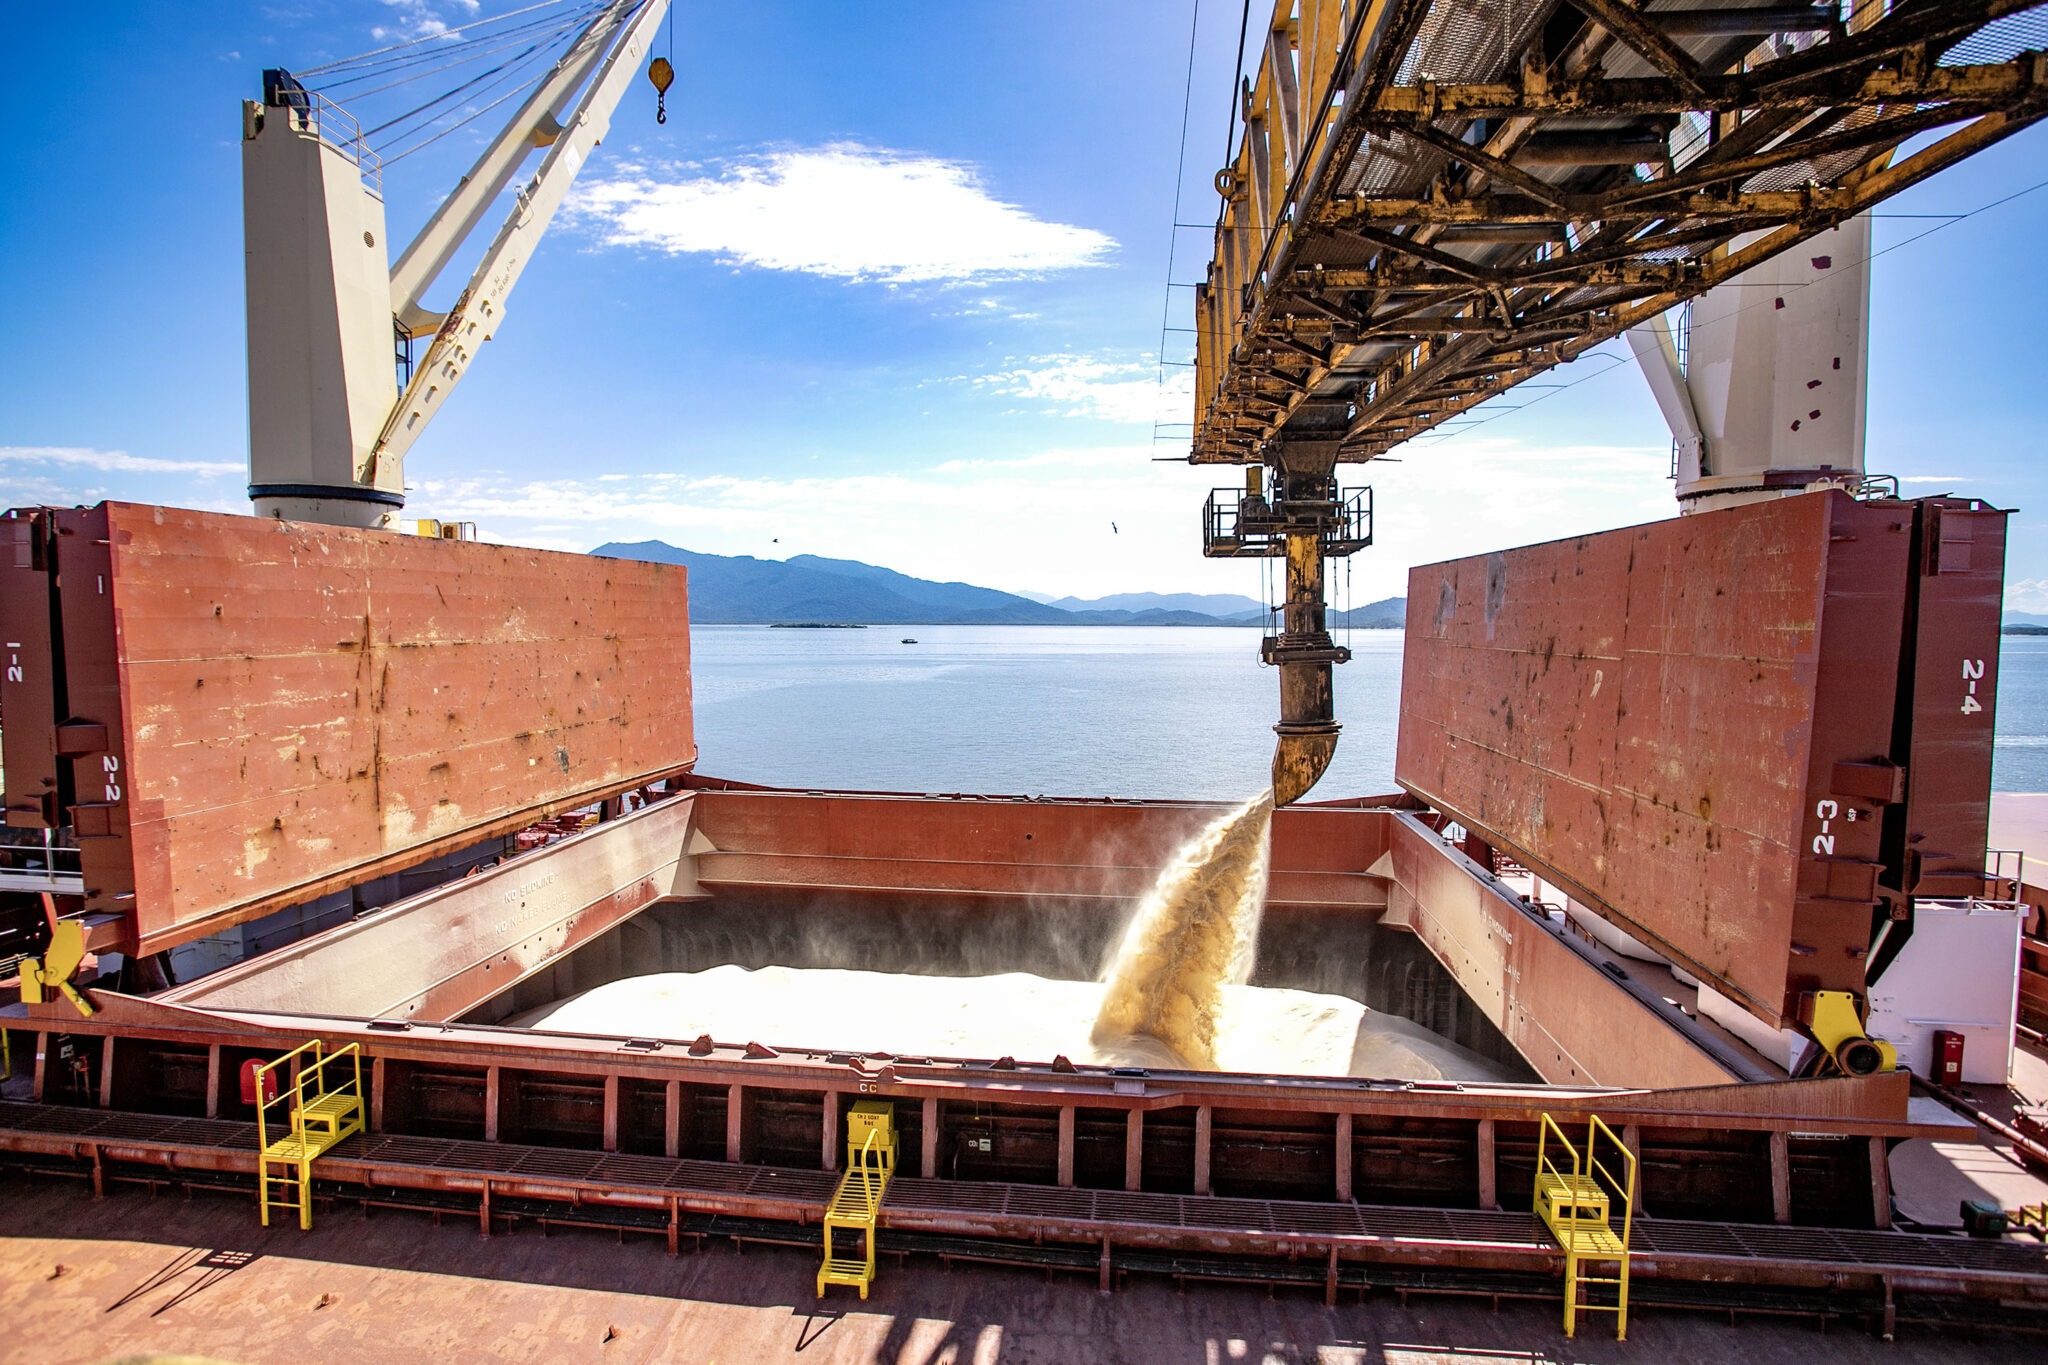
x=842, y=210
x=1089, y=386
x=1041, y=520
x=1471, y=494
x=116, y=461
x=420, y=20
x=2027, y=594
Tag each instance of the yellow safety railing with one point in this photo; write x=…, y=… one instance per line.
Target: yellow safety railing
x=323, y=1109
x=1575, y=1199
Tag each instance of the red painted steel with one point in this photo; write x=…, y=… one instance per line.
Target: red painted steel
x=1861, y=1105
x=28, y=674
x=1014, y=845
x=439, y=954
x=1690, y=725
x=1561, y=1012
x=267, y=711
x=1954, y=690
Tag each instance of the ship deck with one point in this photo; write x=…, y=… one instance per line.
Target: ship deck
x=143, y=1272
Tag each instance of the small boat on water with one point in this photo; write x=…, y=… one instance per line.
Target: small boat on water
x=909, y=640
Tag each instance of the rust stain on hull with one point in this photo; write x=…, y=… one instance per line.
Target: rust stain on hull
x=1702, y=728
x=287, y=709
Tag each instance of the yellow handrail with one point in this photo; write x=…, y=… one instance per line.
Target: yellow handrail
x=1543, y=1163
x=868, y=1169
x=1626, y=1192
x=264, y=1097
x=308, y=1075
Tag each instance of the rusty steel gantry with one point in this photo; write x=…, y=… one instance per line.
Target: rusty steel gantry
x=1434, y=200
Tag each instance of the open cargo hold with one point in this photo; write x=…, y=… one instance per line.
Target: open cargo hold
x=417, y=985
x=1739, y=735
x=235, y=715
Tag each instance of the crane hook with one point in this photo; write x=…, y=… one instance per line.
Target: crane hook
x=662, y=75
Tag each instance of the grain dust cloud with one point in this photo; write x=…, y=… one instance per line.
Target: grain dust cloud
x=1193, y=935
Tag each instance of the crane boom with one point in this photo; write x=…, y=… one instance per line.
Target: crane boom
x=442, y=235
x=331, y=320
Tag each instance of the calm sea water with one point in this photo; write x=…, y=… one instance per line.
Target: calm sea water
x=1092, y=710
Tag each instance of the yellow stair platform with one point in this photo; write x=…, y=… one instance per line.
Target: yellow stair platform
x=323, y=1106
x=1576, y=1202
x=856, y=1205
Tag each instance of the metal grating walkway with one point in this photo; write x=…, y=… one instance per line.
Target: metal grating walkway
x=800, y=1196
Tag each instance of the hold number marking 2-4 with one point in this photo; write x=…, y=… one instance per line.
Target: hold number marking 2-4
x=1973, y=673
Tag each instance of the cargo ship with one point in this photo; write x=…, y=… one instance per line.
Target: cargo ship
x=307, y=812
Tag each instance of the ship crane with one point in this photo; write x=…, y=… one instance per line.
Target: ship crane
x=336, y=395
x=1435, y=200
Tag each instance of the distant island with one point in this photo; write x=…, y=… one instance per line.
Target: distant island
x=2025, y=630
x=811, y=592
x=817, y=625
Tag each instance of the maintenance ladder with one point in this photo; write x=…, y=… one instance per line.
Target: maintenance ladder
x=1576, y=1204
x=856, y=1205
x=325, y=1108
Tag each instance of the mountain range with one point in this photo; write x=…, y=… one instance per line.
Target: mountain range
x=743, y=590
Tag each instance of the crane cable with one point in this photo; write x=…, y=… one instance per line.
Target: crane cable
x=432, y=63
x=366, y=58
x=518, y=90
x=1180, y=171
x=536, y=41
x=478, y=79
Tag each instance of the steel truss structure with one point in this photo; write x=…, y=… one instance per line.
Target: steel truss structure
x=1433, y=202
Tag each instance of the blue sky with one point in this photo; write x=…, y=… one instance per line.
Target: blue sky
x=887, y=285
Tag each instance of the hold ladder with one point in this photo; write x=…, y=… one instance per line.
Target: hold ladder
x=856, y=1205
x=324, y=1108
x=1576, y=1203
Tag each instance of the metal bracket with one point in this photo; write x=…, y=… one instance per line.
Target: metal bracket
x=52, y=971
